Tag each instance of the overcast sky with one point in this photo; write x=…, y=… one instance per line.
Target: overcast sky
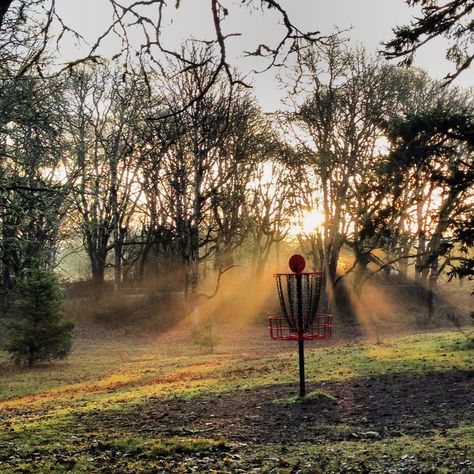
x=370, y=22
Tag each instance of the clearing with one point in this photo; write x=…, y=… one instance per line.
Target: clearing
x=160, y=404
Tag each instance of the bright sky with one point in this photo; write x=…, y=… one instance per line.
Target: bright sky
x=371, y=22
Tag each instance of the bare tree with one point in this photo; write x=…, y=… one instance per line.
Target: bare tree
x=336, y=125
x=32, y=27
x=272, y=203
x=102, y=114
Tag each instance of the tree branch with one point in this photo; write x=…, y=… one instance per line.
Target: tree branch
x=219, y=276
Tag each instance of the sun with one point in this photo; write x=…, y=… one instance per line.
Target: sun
x=307, y=223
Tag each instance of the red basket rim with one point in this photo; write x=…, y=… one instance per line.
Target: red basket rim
x=302, y=273
x=283, y=332
x=284, y=319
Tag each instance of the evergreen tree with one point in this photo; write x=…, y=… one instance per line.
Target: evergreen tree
x=36, y=330
x=451, y=20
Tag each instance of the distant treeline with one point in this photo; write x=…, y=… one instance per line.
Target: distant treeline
x=157, y=180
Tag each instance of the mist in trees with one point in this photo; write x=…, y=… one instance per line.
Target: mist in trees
x=169, y=177
x=353, y=118
x=86, y=154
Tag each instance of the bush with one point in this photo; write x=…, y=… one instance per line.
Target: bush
x=36, y=330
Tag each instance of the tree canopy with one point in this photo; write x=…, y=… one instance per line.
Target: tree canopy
x=453, y=20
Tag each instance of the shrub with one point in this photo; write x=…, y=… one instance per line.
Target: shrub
x=36, y=330
x=204, y=336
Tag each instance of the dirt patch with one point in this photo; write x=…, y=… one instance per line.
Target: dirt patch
x=379, y=407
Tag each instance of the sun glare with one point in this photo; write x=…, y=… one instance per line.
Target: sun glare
x=307, y=223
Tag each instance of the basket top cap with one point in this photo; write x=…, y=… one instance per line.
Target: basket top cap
x=297, y=263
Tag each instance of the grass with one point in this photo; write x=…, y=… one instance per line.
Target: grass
x=126, y=453
x=41, y=424
x=310, y=398
x=162, y=447
x=405, y=454
x=112, y=372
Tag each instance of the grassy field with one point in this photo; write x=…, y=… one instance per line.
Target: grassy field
x=403, y=404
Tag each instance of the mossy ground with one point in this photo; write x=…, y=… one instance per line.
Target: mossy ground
x=159, y=405
x=310, y=398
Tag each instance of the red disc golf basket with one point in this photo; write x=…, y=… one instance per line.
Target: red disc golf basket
x=299, y=295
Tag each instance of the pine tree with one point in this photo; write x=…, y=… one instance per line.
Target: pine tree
x=36, y=330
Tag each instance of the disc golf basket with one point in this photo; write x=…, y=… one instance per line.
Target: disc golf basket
x=299, y=295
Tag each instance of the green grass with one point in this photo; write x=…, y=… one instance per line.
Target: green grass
x=115, y=374
x=162, y=447
x=431, y=454
x=109, y=368
x=39, y=408
x=125, y=453
x=310, y=398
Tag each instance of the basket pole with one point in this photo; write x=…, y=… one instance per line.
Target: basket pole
x=299, y=296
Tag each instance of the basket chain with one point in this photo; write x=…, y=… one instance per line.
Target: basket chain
x=280, y=295
x=311, y=289
x=290, y=282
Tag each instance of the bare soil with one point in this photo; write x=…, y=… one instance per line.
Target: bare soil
x=380, y=407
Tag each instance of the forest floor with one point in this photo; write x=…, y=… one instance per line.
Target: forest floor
x=397, y=404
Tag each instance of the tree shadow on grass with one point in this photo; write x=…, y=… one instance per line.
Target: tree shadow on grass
x=372, y=407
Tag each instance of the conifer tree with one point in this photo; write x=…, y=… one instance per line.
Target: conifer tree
x=36, y=330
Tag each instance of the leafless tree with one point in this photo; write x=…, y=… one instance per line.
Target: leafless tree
x=102, y=115
x=31, y=27
x=272, y=200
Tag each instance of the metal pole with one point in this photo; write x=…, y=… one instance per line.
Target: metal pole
x=299, y=296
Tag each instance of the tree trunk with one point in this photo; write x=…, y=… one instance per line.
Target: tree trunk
x=421, y=273
x=360, y=272
x=98, y=276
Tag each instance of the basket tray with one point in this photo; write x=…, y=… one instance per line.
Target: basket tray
x=320, y=328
